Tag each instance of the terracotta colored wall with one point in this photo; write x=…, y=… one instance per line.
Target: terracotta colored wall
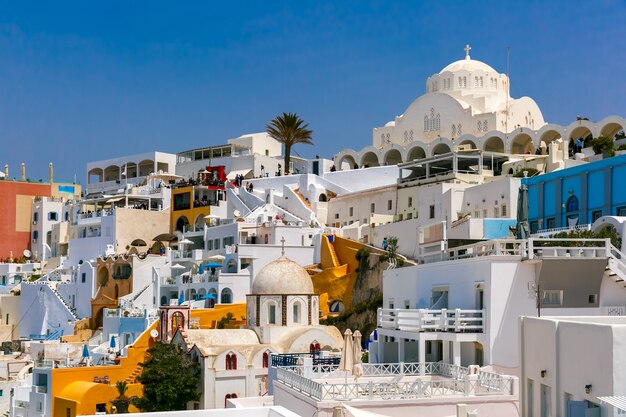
x=13, y=239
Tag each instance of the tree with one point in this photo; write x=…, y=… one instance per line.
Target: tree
x=289, y=129
x=604, y=146
x=122, y=402
x=170, y=379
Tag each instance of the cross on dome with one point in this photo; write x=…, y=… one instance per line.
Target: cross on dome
x=282, y=241
x=467, y=49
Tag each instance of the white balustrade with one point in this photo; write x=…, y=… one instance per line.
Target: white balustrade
x=419, y=320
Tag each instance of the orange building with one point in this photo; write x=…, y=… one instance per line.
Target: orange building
x=15, y=205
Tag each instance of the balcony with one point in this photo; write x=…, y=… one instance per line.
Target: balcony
x=395, y=381
x=524, y=249
x=424, y=320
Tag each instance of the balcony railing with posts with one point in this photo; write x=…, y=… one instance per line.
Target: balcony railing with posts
x=419, y=320
x=408, y=380
x=525, y=249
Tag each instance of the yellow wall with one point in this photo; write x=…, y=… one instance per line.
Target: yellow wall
x=77, y=400
x=191, y=213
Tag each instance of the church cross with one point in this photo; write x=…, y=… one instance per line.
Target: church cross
x=467, y=49
x=282, y=241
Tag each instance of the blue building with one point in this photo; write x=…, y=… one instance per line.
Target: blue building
x=577, y=195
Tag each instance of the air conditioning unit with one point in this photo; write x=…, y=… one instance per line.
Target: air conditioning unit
x=466, y=147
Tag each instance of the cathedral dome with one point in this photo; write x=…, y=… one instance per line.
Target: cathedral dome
x=282, y=276
x=469, y=65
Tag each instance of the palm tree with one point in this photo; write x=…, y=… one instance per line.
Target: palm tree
x=289, y=129
x=122, y=402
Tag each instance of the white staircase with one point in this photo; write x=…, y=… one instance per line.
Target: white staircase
x=69, y=308
x=617, y=265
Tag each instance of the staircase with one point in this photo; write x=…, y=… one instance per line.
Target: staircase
x=132, y=378
x=128, y=303
x=333, y=253
x=616, y=266
x=301, y=197
x=72, y=310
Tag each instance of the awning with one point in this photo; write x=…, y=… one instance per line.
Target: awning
x=165, y=177
x=232, y=174
x=617, y=401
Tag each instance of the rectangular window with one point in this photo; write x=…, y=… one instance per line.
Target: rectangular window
x=409, y=216
x=432, y=212
x=504, y=210
x=68, y=412
x=209, y=244
x=182, y=201
x=389, y=204
x=550, y=223
x=595, y=215
x=53, y=215
x=477, y=214
x=336, y=215
x=484, y=213
x=351, y=211
x=593, y=299
x=400, y=217
x=551, y=297
x=83, y=277
x=372, y=207
x=216, y=244
x=621, y=211
x=496, y=212
x=410, y=201
x=272, y=314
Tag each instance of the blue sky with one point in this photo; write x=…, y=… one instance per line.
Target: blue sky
x=83, y=81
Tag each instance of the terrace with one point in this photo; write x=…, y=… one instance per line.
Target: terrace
x=395, y=381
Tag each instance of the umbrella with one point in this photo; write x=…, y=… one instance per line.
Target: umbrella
x=212, y=265
x=178, y=266
x=209, y=297
x=521, y=231
x=112, y=343
x=216, y=258
x=185, y=242
x=138, y=242
x=212, y=216
x=181, y=299
x=357, y=367
x=85, y=351
x=347, y=361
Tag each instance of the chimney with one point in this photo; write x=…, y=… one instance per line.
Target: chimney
x=51, y=169
x=23, y=171
x=6, y=171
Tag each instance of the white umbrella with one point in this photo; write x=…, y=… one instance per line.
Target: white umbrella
x=347, y=360
x=216, y=258
x=357, y=367
x=178, y=266
x=185, y=242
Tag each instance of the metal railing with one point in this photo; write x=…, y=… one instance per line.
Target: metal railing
x=554, y=230
x=458, y=382
x=419, y=320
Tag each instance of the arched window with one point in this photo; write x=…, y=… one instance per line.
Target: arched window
x=227, y=296
x=314, y=347
x=266, y=359
x=485, y=126
x=480, y=126
x=318, y=349
x=231, y=362
x=228, y=397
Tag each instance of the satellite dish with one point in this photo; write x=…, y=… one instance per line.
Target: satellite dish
x=154, y=333
x=27, y=253
x=236, y=213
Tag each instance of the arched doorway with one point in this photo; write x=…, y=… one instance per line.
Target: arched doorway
x=522, y=144
x=416, y=153
x=370, y=159
x=393, y=157
x=182, y=224
x=227, y=296
x=494, y=144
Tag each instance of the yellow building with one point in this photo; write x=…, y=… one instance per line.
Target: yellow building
x=335, y=282
x=81, y=390
x=190, y=205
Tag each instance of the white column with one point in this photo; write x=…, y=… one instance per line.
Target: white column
x=421, y=354
x=446, y=351
x=381, y=353
x=456, y=352
x=401, y=350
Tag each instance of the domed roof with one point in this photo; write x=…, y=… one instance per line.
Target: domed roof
x=467, y=64
x=282, y=276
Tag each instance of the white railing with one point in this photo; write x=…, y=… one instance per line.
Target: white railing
x=457, y=381
x=419, y=320
x=616, y=262
x=554, y=230
x=614, y=311
x=525, y=249
x=559, y=248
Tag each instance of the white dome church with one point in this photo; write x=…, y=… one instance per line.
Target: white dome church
x=466, y=97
